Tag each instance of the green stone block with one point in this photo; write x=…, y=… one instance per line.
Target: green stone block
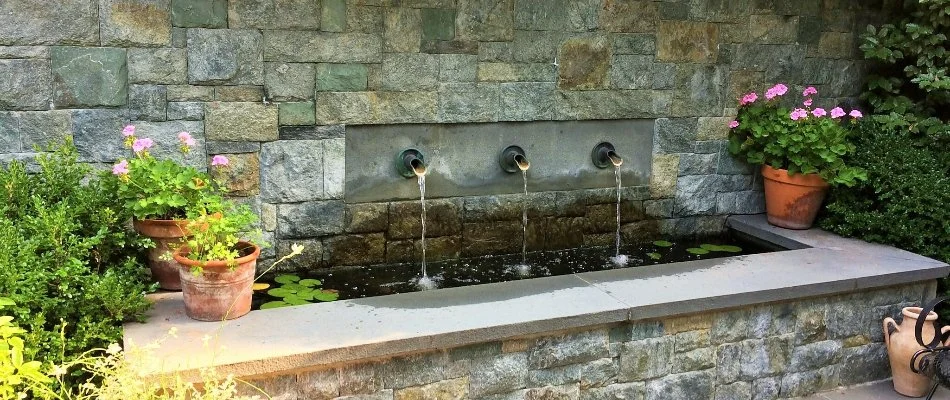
x=333, y=16
x=200, y=13
x=89, y=76
x=297, y=113
x=341, y=77
x=438, y=24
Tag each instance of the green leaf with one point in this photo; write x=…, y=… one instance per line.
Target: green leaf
x=655, y=256
x=286, y=278
x=326, y=295
x=273, y=304
x=697, y=250
x=295, y=301
x=730, y=249
x=281, y=292
x=310, y=282
x=663, y=243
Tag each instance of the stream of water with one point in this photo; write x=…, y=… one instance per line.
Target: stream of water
x=618, y=259
x=424, y=281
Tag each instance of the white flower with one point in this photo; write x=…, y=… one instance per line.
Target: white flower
x=114, y=349
x=58, y=370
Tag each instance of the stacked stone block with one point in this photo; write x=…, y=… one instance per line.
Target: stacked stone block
x=272, y=85
x=759, y=352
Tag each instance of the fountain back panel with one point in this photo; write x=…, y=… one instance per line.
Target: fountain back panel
x=380, y=280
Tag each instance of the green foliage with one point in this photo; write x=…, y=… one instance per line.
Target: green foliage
x=912, y=82
x=770, y=134
x=159, y=189
x=294, y=291
x=64, y=257
x=216, y=226
x=15, y=372
x=904, y=201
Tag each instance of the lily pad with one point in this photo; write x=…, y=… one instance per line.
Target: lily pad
x=295, y=301
x=710, y=247
x=281, y=292
x=325, y=295
x=655, y=256
x=697, y=250
x=286, y=278
x=309, y=282
x=663, y=243
x=730, y=249
x=273, y=304
x=261, y=286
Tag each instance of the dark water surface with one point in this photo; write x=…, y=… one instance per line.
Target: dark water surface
x=379, y=280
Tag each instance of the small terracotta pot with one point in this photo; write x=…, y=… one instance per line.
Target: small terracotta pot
x=792, y=201
x=901, y=346
x=167, y=235
x=219, y=292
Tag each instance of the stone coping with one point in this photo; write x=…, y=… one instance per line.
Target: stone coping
x=283, y=339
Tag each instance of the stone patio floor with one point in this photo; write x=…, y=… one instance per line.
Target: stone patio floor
x=883, y=390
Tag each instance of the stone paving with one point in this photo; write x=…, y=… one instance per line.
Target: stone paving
x=883, y=390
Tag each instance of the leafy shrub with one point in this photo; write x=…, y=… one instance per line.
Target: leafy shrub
x=905, y=200
x=65, y=259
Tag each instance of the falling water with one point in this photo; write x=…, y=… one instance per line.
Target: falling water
x=524, y=219
x=618, y=259
x=424, y=282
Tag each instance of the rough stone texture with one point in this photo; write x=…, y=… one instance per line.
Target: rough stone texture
x=34, y=130
x=646, y=359
x=89, y=77
x=74, y=22
x=239, y=93
x=241, y=122
x=96, y=134
x=408, y=72
x=274, y=14
x=165, y=135
x=584, y=64
x=186, y=110
x=145, y=23
x=190, y=93
x=242, y=176
x=231, y=56
x=468, y=102
x=292, y=171
x=160, y=66
x=403, y=30
x=499, y=374
x=308, y=46
x=485, y=20
x=27, y=84
x=297, y=113
x=289, y=81
x=309, y=219
x=568, y=349
x=528, y=101
x=341, y=77
x=200, y=13
x=147, y=102
x=686, y=41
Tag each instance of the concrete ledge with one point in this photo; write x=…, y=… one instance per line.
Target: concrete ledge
x=265, y=342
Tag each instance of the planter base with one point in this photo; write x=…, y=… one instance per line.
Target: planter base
x=792, y=201
x=167, y=235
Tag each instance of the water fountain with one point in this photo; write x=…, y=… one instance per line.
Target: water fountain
x=513, y=159
x=411, y=163
x=604, y=155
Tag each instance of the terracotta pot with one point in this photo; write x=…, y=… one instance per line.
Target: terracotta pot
x=792, y=201
x=901, y=346
x=167, y=235
x=219, y=292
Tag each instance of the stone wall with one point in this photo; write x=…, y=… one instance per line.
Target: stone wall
x=761, y=352
x=273, y=85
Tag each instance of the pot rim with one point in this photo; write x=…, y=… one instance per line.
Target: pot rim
x=914, y=312
x=782, y=175
x=186, y=262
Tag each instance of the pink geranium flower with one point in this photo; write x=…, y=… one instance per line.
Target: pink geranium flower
x=749, y=98
x=121, y=168
x=798, y=113
x=141, y=145
x=777, y=90
x=734, y=124
x=186, y=139
x=809, y=91
x=129, y=130
x=837, y=112
x=819, y=112
x=856, y=114
x=807, y=103
x=219, y=160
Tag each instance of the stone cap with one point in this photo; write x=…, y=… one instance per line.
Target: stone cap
x=290, y=338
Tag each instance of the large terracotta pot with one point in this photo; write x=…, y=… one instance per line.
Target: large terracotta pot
x=792, y=201
x=218, y=292
x=166, y=234
x=901, y=346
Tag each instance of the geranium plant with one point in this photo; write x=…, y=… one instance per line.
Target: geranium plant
x=803, y=140
x=154, y=188
x=217, y=227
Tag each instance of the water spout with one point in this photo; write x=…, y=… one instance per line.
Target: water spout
x=513, y=159
x=604, y=155
x=411, y=163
